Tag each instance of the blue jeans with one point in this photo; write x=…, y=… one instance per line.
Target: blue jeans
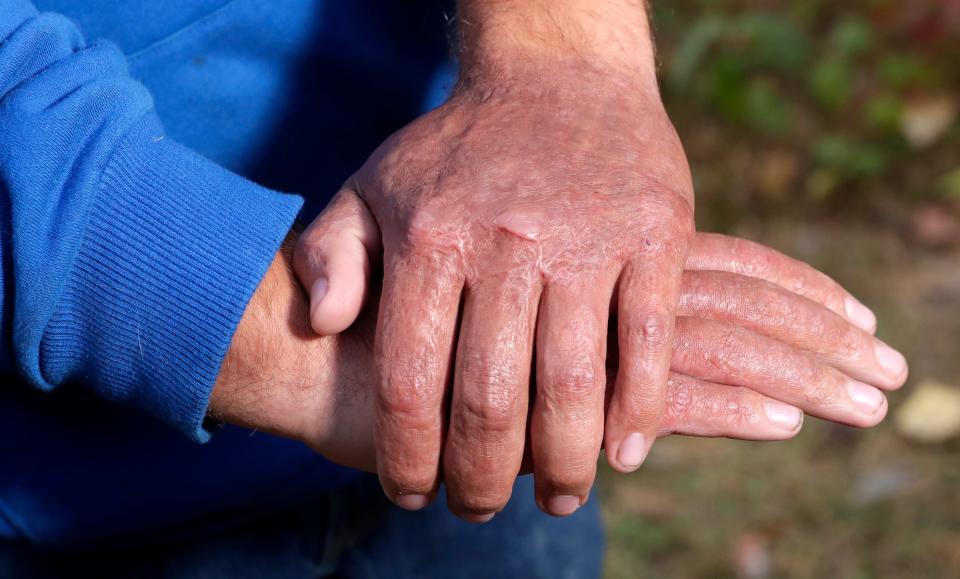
x=351, y=533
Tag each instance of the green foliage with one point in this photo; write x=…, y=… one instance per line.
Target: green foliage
x=882, y=111
x=851, y=37
x=849, y=157
x=764, y=108
x=950, y=185
x=831, y=82
x=824, y=84
x=769, y=40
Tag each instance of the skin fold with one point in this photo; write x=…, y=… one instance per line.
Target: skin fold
x=757, y=344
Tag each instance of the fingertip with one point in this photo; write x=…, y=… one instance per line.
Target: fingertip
x=412, y=502
x=631, y=452
x=335, y=304
x=870, y=403
x=324, y=319
x=476, y=518
x=871, y=420
x=893, y=364
x=561, y=505
x=787, y=418
x=319, y=290
x=860, y=315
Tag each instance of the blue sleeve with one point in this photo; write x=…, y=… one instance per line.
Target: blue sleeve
x=127, y=260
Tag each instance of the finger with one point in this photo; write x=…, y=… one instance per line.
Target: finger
x=699, y=408
x=332, y=260
x=413, y=349
x=727, y=354
x=770, y=310
x=646, y=309
x=711, y=251
x=488, y=414
x=696, y=407
x=566, y=426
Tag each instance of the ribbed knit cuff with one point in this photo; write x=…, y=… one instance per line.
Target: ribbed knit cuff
x=173, y=251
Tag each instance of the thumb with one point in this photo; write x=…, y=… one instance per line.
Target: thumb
x=332, y=260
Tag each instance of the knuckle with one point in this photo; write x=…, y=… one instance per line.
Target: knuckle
x=491, y=396
x=650, y=331
x=666, y=196
x=665, y=229
x=577, y=381
x=733, y=407
x=431, y=230
x=676, y=211
x=679, y=398
x=409, y=393
x=680, y=211
x=727, y=357
x=495, y=415
x=850, y=346
x=423, y=229
x=819, y=388
x=654, y=331
x=688, y=403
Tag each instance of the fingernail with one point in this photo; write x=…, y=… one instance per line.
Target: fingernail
x=412, y=502
x=860, y=314
x=783, y=415
x=868, y=398
x=891, y=361
x=563, y=505
x=319, y=289
x=477, y=518
x=633, y=450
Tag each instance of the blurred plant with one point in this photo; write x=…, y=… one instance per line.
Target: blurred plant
x=860, y=97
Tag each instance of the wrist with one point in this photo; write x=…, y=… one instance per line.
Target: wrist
x=276, y=376
x=281, y=378
x=501, y=40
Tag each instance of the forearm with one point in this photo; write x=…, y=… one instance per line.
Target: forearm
x=282, y=378
x=272, y=358
x=506, y=34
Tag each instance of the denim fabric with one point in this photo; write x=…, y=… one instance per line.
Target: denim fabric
x=353, y=532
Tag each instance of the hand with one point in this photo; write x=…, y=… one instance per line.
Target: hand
x=523, y=211
x=757, y=330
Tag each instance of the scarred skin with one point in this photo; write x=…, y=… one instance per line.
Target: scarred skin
x=508, y=221
x=772, y=344
x=525, y=257
x=550, y=184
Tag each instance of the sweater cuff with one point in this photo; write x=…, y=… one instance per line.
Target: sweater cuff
x=173, y=250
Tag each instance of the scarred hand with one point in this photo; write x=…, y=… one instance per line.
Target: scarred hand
x=525, y=210
x=759, y=336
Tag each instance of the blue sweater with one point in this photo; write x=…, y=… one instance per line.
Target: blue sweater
x=130, y=247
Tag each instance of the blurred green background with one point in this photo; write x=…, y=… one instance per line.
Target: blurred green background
x=828, y=130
